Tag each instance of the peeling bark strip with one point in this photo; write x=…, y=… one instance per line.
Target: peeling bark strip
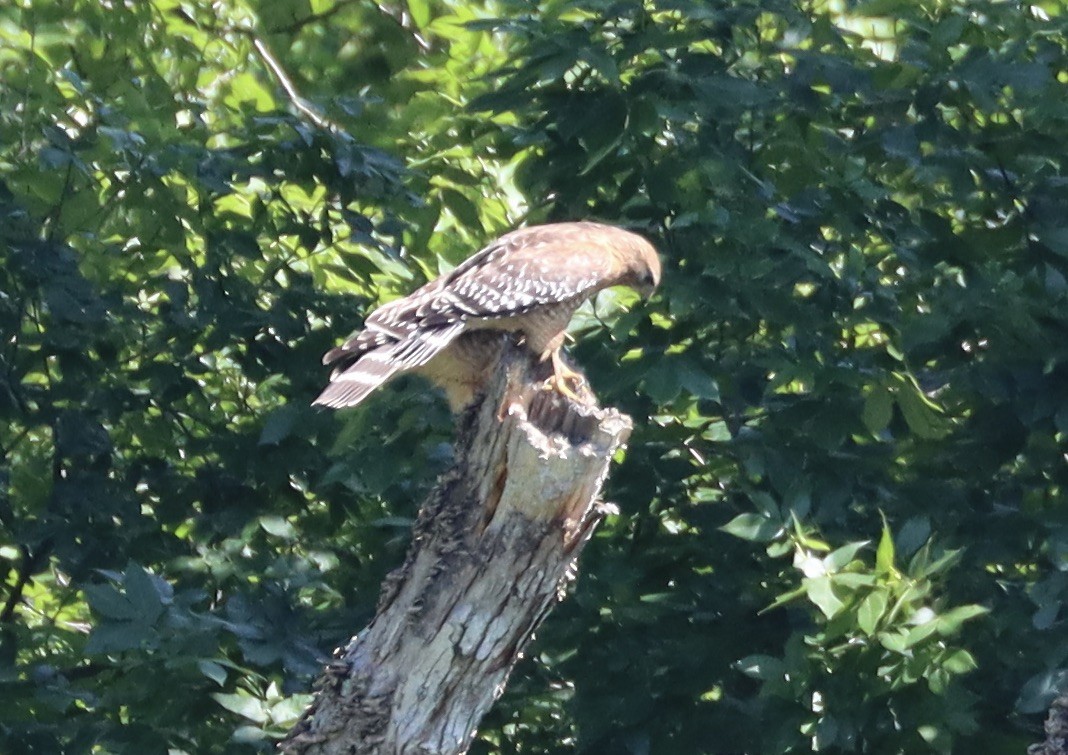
x=493, y=549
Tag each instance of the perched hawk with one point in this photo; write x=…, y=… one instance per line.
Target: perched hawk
x=528, y=282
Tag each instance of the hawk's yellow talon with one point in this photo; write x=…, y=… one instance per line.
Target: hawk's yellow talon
x=562, y=375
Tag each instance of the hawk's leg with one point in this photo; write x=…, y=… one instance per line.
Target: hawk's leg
x=562, y=376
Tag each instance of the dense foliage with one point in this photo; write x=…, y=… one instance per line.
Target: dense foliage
x=843, y=520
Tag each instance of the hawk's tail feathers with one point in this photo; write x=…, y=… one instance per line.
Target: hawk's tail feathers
x=350, y=386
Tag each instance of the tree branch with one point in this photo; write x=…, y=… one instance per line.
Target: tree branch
x=403, y=19
x=493, y=550
x=29, y=565
x=301, y=104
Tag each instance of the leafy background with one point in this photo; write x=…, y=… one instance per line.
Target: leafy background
x=843, y=518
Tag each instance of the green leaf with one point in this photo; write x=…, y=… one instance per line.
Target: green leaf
x=754, y=527
x=763, y=667
x=142, y=593
x=247, y=88
x=118, y=637
x=949, y=623
x=108, y=602
x=697, y=382
x=871, y=611
x=286, y=712
x=785, y=598
x=884, y=552
x=463, y=209
x=934, y=736
x=213, y=671
x=912, y=535
x=250, y=735
x=959, y=662
x=420, y=10
x=878, y=409
x=608, y=121
x=1056, y=239
x=244, y=705
x=854, y=580
x=895, y=641
x=661, y=383
x=879, y=7
x=921, y=414
x=1040, y=690
x=279, y=424
x=941, y=564
x=841, y=557
x=820, y=591
x=918, y=634
x=278, y=526
x=765, y=504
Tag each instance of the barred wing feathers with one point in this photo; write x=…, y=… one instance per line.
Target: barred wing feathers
x=526, y=269
x=522, y=271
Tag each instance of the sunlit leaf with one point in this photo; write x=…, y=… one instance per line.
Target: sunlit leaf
x=820, y=591
x=871, y=610
x=754, y=527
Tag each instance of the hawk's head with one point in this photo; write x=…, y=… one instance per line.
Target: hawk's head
x=642, y=265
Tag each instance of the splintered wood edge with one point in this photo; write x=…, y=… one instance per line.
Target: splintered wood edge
x=558, y=451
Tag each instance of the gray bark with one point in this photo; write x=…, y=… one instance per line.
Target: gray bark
x=493, y=550
x=1056, y=730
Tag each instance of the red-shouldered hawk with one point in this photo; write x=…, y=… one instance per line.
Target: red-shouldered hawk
x=529, y=281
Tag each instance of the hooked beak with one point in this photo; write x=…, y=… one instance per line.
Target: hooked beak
x=646, y=289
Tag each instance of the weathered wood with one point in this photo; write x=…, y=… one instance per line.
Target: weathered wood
x=493, y=549
x=1056, y=742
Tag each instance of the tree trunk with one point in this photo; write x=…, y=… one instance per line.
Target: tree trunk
x=1056, y=730
x=493, y=549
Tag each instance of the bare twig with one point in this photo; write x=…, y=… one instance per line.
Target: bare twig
x=404, y=21
x=27, y=568
x=302, y=105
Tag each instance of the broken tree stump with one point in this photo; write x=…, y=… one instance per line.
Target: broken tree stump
x=493, y=549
